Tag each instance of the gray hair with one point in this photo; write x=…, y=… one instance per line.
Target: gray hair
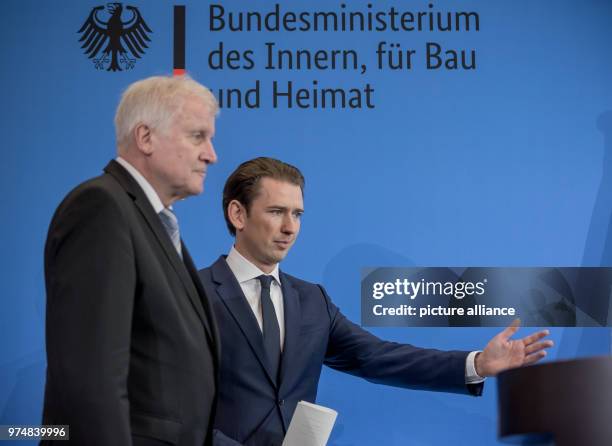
x=153, y=101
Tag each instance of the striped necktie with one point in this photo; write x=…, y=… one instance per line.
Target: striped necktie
x=170, y=223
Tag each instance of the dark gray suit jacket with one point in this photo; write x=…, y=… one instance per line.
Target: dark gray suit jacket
x=132, y=345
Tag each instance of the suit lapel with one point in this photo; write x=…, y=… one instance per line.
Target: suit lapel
x=291, y=302
x=144, y=206
x=234, y=300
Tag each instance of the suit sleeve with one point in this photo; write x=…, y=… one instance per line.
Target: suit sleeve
x=353, y=350
x=91, y=281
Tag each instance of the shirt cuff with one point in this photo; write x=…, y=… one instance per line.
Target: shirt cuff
x=471, y=377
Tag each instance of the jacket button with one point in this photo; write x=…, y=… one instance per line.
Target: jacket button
x=281, y=402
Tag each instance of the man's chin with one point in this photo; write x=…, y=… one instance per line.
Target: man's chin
x=278, y=256
x=197, y=189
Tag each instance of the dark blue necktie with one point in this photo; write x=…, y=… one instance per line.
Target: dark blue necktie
x=271, y=332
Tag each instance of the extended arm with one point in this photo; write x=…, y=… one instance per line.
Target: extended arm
x=356, y=351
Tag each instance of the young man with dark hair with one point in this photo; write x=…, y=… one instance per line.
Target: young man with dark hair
x=277, y=331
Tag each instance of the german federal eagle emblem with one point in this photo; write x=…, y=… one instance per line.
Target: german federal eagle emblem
x=117, y=39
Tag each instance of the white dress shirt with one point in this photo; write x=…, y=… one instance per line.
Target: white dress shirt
x=471, y=377
x=246, y=274
x=144, y=185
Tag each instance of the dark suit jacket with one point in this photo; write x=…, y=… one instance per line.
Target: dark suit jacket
x=254, y=409
x=132, y=354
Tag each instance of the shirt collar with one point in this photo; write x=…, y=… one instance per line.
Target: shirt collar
x=146, y=187
x=244, y=270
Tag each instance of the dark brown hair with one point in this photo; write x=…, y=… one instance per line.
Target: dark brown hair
x=243, y=184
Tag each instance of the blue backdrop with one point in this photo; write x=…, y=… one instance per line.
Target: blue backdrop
x=505, y=165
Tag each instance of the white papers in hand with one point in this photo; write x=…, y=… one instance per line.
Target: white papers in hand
x=311, y=425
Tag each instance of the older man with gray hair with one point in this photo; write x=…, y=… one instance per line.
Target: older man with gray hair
x=132, y=349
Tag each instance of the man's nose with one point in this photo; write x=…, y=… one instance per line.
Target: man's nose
x=210, y=155
x=290, y=224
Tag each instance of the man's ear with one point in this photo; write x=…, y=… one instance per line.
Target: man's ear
x=142, y=138
x=237, y=214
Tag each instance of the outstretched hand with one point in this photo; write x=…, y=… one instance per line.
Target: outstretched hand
x=502, y=353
